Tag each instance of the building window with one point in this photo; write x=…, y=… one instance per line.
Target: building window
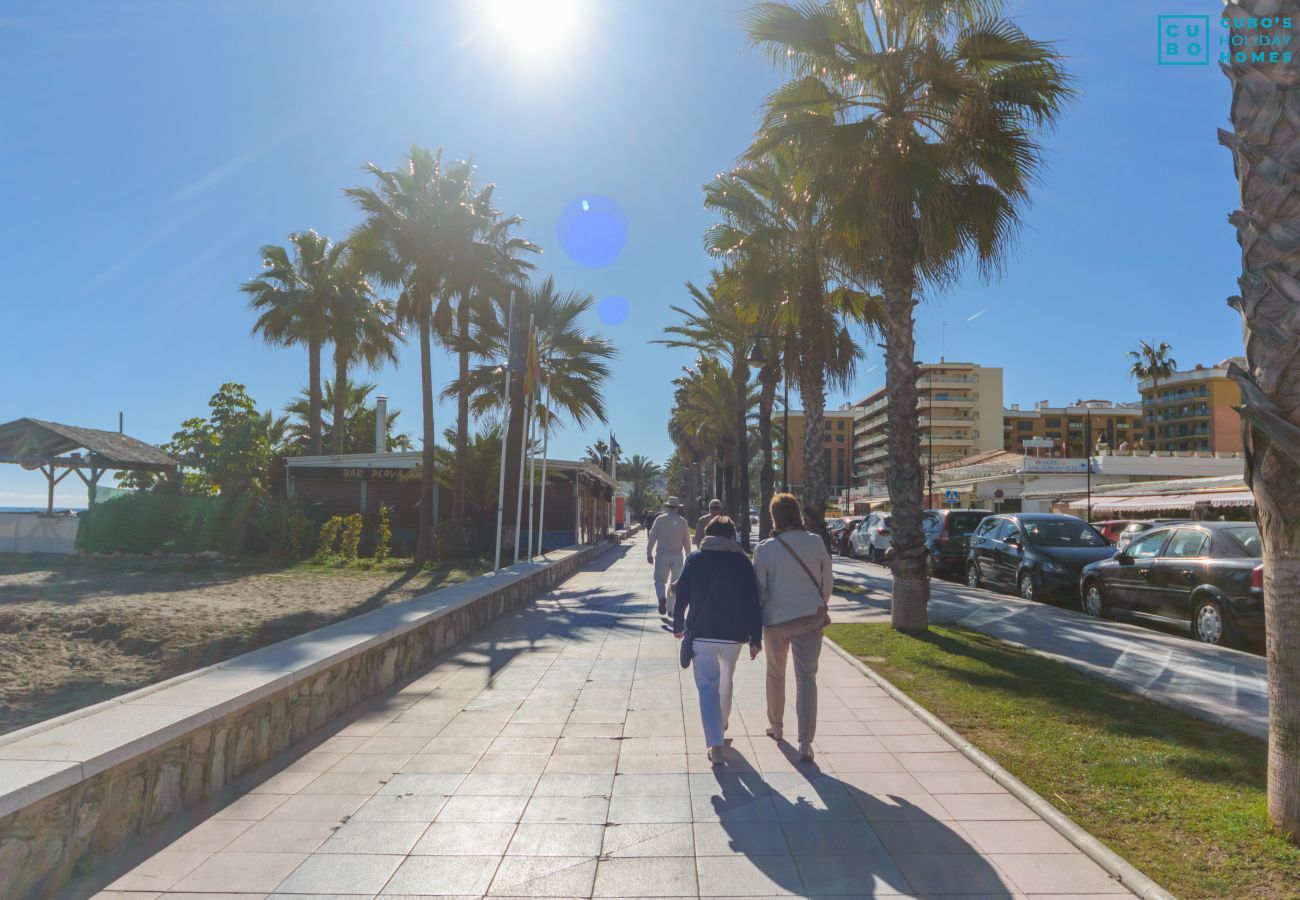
x=1024, y=426
x=1052, y=423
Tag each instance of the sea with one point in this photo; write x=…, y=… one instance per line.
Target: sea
x=41, y=509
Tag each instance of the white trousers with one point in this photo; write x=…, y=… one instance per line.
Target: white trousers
x=714, y=665
x=668, y=568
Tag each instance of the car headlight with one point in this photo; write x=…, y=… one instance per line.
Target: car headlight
x=1054, y=568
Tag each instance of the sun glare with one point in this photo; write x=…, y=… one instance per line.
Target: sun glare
x=535, y=29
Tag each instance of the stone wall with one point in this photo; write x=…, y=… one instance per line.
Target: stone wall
x=45, y=843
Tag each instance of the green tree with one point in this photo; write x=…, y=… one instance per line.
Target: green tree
x=417, y=225
x=228, y=452
x=1152, y=361
x=363, y=331
x=922, y=117
x=1263, y=142
x=640, y=471
x=358, y=421
x=292, y=297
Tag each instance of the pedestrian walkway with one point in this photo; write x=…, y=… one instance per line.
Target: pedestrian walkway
x=1215, y=683
x=560, y=754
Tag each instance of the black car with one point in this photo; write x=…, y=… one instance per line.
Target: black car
x=1033, y=553
x=947, y=536
x=1206, y=576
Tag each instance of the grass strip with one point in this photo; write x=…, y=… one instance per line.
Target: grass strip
x=1179, y=798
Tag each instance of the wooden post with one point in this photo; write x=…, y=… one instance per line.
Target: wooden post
x=48, y=471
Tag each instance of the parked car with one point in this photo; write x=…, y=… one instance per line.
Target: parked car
x=844, y=533
x=1133, y=529
x=1110, y=529
x=1204, y=576
x=870, y=539
x=947, y=537
x=1033, y=553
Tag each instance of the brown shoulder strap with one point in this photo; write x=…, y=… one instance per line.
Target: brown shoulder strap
x=817, y=583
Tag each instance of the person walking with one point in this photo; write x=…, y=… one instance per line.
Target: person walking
x=717, y=605
x=715, y=510
x=795, y=580
x=672, y=537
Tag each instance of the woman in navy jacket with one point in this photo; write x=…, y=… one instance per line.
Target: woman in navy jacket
x=717, y=601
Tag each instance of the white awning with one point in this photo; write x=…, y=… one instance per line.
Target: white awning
x=1158, y=502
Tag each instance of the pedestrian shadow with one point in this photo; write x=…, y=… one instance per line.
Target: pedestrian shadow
x=813, y=834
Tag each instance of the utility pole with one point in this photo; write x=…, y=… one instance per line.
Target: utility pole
x=929, y=494
x=1087, y=453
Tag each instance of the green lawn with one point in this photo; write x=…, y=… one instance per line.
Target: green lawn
x=1180, y=798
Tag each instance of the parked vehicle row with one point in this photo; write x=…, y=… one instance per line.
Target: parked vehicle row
x=1206, y=577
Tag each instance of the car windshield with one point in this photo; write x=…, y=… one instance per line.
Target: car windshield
x=1061, y=533
x=962, y=524
x=1248, y=537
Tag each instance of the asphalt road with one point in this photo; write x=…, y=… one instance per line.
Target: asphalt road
x=1215, y=683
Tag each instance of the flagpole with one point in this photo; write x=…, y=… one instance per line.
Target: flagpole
x=532, y=491
x=505, y=432
x=541, y=515
x=523, y=454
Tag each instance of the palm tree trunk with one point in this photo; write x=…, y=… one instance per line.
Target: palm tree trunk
x=768, y=377
x=460, y=473
x=813, y=319
x=1267, y=169
x=339, y=426
x=313, y=394
x=910, y=608
x=514, y=438
x=740, y=378
x=424, y=539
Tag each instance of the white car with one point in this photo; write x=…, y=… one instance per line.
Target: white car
x=871, y=539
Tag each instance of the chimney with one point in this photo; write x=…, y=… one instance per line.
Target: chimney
x=381, y=424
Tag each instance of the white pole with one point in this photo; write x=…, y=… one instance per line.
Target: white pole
x=541, y=515
x=532, y=493
x=523, y=450
x=505, y=431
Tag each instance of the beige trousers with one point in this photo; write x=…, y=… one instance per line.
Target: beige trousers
x=804, y=637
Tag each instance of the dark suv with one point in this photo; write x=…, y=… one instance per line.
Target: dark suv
x=1034, y=553
x=1206, y=576
x=947, y=536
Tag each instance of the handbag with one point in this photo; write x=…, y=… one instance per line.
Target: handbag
x=817, y=583
x=687, y=650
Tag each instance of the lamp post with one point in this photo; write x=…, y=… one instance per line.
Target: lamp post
x=1087, y=454
x=929, y=494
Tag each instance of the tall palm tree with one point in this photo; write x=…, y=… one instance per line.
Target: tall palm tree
x=598, y=454
x=1263, y=141
x=640, y=471
x=363, y=331
x=720, y=325
x=417, y=225
x=705, y=403
x=1152, y=361
x=923, y=114
x=292, y=296
x=358, y=420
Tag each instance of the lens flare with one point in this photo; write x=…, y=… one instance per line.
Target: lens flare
x=612, y=310
x=593, y=230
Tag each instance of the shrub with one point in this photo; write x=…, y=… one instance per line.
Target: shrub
x=329, y=534
x=351, y=539
x=383, y=535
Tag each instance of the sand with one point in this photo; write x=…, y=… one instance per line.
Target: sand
x=77, y=631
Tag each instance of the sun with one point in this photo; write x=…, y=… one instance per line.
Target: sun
x=535, y=30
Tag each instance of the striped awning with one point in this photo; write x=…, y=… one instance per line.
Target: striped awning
x=1160, y=502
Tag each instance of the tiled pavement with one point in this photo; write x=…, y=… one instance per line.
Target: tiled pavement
x=560, y=755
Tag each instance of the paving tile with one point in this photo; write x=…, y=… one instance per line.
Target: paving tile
x=924, y=836
x=952, y=873
x=231, y=872
x=545, y=876
x=442, y=875
x=160, y=871
x=1016, y=837
x=1060, y=873
x=652, y=764
x=341, y=874
x=863, y=762
x=482, y=809
x=337, y=783
x=445, y=763
x=282, y=837
x=389, y=745
x=457, y=745
x=650, y=809
x=854, y=876
x=315, y=761
x=209, y=836
x=400, y=808
x=985, y=806
x=658, y=839
x=748, y=876
x=583, y=764
x=898, y=808
x=374, y=837
x=556, y=839
x=749, y=838
x=958, y=783
x=251, y=807
x=937, y=762
x=511, y=764
x=820, y=838
x=659, y=785
x=568, y=810
x=497, y=785
x=523, y=745
x=562, y=785
x=372, y=763
x=285, y=783
x=465, y=839
x=434, y=784
x=317, y=808
x=672, y=876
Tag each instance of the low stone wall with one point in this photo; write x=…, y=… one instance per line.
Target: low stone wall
x=83, y=785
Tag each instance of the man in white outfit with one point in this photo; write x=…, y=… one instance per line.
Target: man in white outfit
x=672, y=536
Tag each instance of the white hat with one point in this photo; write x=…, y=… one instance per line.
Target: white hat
x=672, y=503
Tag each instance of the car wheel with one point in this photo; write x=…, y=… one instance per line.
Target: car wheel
x=1094, y=600
x=1209, y=625
x=973, y=575
x=1025, y=586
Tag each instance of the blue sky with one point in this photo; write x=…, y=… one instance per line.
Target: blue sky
x=147, y=149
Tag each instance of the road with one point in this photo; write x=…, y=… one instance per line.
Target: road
x=1222, y=685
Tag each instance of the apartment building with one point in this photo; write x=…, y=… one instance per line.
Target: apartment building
x=1068, y=426
x=959, y=411
x=838, y=449
x=1193, y=410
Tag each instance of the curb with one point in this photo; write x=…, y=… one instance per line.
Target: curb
x=1114, y=864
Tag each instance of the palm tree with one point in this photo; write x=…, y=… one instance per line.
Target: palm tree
x=417, y=225
x=363, y=331
x=293, y=296
x=640, y=471
x=1263, y=142
x=719, y=325
x=705, y=403
x=358, y=420
x=922, y=114
x=598, y=454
